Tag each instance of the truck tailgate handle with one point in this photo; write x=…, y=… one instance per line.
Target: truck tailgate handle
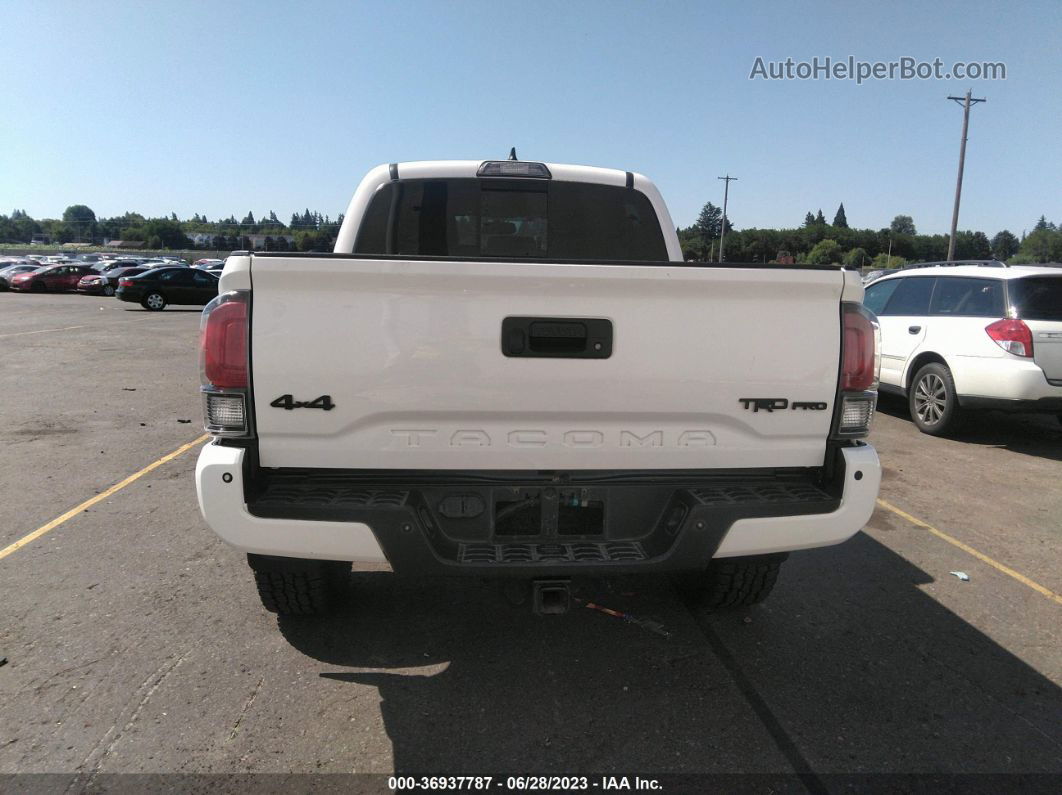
x=557, y=337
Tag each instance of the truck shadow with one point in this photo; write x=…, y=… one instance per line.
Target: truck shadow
x=849, y=668
x=1031, y=434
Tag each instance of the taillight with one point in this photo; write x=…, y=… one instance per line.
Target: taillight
x=223, y=364
x=859, y=349
x=1012, y=335
x=224, y=342
x=860, y=366
x=125, y=282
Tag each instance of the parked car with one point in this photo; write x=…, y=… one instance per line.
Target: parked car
x=109, y=265
x=8, y=273
x=874, y=275
x=53, y=278
x=958, y=338
x=156, y=288
x=106, y=283
x=522, y=405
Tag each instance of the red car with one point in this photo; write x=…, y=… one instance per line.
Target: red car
x=107, y=282
x=57, y=279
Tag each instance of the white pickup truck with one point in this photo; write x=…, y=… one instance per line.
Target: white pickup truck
x=505, y=368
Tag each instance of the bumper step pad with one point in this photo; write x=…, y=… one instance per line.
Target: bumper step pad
x=579, y=552
x=761, y=492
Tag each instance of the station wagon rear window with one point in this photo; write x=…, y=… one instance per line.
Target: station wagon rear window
x=962, y=297
x=1037, y=297
x=511, y=218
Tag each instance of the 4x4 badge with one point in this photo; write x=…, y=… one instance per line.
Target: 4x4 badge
x=289, y=403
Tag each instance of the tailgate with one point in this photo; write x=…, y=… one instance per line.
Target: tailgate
x=1038, y=301
x=1047, y=347
x=410, y=354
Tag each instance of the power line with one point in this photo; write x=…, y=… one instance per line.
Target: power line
x=966, y=102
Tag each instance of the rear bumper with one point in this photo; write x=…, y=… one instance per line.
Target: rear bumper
x=372, y=523
x=1006, y=379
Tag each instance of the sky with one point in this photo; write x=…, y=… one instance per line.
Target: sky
x=220, y=108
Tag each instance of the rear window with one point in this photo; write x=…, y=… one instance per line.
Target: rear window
x=511, y=218
x=1037, y=298
x=959, y=297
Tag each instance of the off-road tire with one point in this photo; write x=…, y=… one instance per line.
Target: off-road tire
x=296, y=587
x=733, y=582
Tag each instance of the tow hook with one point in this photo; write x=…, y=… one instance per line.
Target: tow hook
x=550, y=597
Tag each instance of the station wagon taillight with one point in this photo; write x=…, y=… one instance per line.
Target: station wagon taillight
x=857, y=388
x=223, y=364
x=1012, y=335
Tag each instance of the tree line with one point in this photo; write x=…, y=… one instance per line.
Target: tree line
x=306, y=231
x=815, y=241
x=818, y=242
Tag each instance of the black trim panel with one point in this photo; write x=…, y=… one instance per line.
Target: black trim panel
x=393, y=171
x=1047, y=405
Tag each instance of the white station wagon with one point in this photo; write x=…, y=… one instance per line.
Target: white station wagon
x=960, y=337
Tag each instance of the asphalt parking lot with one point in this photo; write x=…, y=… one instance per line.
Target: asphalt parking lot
x=135, y=642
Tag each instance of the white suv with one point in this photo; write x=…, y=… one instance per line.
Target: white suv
x=964, y=337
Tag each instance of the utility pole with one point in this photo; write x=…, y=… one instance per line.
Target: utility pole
x=722, y=226
x=966, y=102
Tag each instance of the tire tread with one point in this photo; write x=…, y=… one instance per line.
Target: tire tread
x=737, y=582
x=298, y=588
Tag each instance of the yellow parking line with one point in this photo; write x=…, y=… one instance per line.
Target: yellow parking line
x=40, y=331
x=71, y=328
x=8, y=550
x=968, y=549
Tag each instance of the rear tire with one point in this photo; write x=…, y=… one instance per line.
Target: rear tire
x=733, y=582
x=296, y=587
x=153, y=302
x=932, y=400
x=108, y=290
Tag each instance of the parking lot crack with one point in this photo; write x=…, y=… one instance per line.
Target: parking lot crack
x=246, y=706
x=44, y=684
x=782, y=740
x=113, y=735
